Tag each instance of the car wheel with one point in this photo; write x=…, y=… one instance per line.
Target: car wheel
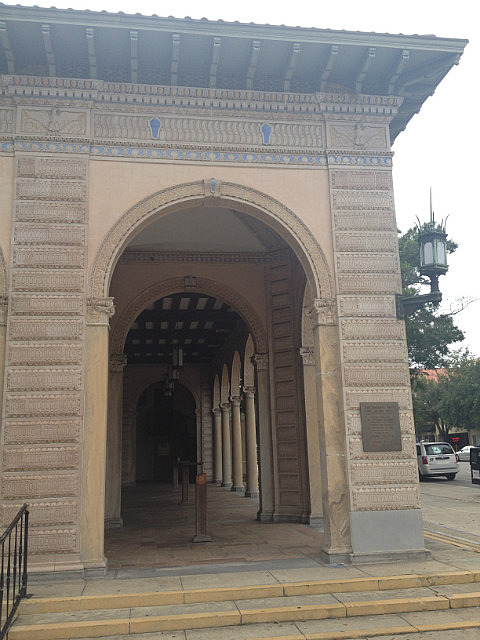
x=451, y=476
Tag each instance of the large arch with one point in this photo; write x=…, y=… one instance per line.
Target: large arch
x=213, y=193
x=121, y=327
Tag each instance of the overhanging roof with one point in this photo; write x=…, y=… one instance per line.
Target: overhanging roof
x=217, y=54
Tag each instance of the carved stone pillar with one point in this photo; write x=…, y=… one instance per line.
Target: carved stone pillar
x=237, y=446
x=267, y=499
x=226, y=446
x=217, y=444
x=251, y=443
x=99, y=313
x=312, y=432
x=336, y=502
x=3, y=331
x=113, y=477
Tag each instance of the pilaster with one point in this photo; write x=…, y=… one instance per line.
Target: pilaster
x=251, y=490
x=267, y=496
x=238, y=485
x=226, y=446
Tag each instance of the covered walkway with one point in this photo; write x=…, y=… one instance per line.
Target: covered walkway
x=158, y=530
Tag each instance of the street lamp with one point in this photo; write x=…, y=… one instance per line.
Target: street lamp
x=432, y=243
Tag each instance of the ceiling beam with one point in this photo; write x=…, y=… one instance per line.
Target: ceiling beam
x=334, y=49
x=399, y=68
x=7, y=49
x=294, y=55
x=92, y=57
x=47, y=43
x=133, y=56
x=217, y=43
x=252, y=67
x=368, y=59
x=429, y=74
x=175, y=59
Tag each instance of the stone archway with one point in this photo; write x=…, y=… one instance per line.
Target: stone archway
x=214, y=193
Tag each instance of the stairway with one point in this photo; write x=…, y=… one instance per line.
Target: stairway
x=322, y=609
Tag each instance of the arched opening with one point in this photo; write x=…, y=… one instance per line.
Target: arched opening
x=223, y=290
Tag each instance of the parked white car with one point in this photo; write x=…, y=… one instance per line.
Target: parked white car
x=436, y=459
x=464, y=454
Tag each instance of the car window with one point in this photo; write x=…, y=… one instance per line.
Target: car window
x=436, y=449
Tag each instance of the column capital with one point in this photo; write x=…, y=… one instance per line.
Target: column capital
x=308, y=356
x=260, y=361
x=225, y=406
x=216, y=410
x=322, y=312
x=235, y=401
x=249, y=391
x=99, y=311
x=117, y=362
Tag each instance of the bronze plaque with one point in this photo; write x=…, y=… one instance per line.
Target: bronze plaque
x=380, y=426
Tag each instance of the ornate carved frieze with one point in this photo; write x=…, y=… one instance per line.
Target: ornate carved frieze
x=50, y=234
x=368, y=263
x=46, y=329
x=42, y=189
x=50, y=257
x=44, y=513
x=49, y=212
x=39, y=485
x=361, y=199
x=357, y=136
x=358, y=179
x=40, y=458
x=47, y=304
x=365, y=221
x=41, y=430
x=363, y=329
x=374, y=352
x=51, y=168
x=369, y=306
x=368, y=241
x=358, y=283
x=49, y=280
x=376, y=375
x=217, y=259
x=53, y=540
x=384, y=498
x=7, y=121
x=384, y=472
x=54, y=121
x=45, y=379
x=27, y=405
x=353, y=397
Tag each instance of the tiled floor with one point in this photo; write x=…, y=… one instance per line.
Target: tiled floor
x=158, y=531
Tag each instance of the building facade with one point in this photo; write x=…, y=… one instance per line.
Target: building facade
x=199, y=261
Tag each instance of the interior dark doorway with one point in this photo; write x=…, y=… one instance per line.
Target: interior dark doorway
x=166, y=432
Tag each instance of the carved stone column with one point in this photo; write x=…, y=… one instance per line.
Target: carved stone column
x=251, y=443
x=217, y=444
x=267, y=499
x=226, y=446
x=99, y=313
x=312, y=432
x=113, y=478
x=3, y=332
x=333, y=456
x=237, y=446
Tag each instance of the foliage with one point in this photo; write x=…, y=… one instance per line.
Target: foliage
x=451, y=399
x=430, y=333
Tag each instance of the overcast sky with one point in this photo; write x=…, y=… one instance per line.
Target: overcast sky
x=439, y=146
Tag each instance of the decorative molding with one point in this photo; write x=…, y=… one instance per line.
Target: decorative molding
x=384, y=472
x=358, y=179
x=210, y=258
x=362, y=199
x=365, y=221
x=374, y=329
x=367, y=241
x=307, y=355
x=99, y=311
x=359, y=263
x=403, y=396
x=54, y=540
x=39, y=167
x=368, y=306
x=372, y=283
x=32, y=404
x=376, y=375
x=46, y=329
x=43, y=304
x=50, y=257
x=374, y=352
x=37, y=458
x=248, y=200
x=53, y=234
x=39, y=485
x=46, y=379
x=323, y=312
x=385, y=498
x=47, y=189
x=260, y=361
x=40, y=430
x=54, y=121
x=356, y=452
x=357, y=136
x=46, y=280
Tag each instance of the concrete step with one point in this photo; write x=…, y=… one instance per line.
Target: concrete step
x=234, y=611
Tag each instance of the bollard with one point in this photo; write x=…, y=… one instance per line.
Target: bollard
x=201, y=509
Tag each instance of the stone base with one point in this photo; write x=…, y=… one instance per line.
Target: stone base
x=240, y=490
x=227, y=485
x=379, y=533
x=252, y=494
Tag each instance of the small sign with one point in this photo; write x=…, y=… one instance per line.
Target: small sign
x=380, y=426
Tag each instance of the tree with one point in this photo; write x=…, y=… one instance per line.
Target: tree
x=430, y=333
